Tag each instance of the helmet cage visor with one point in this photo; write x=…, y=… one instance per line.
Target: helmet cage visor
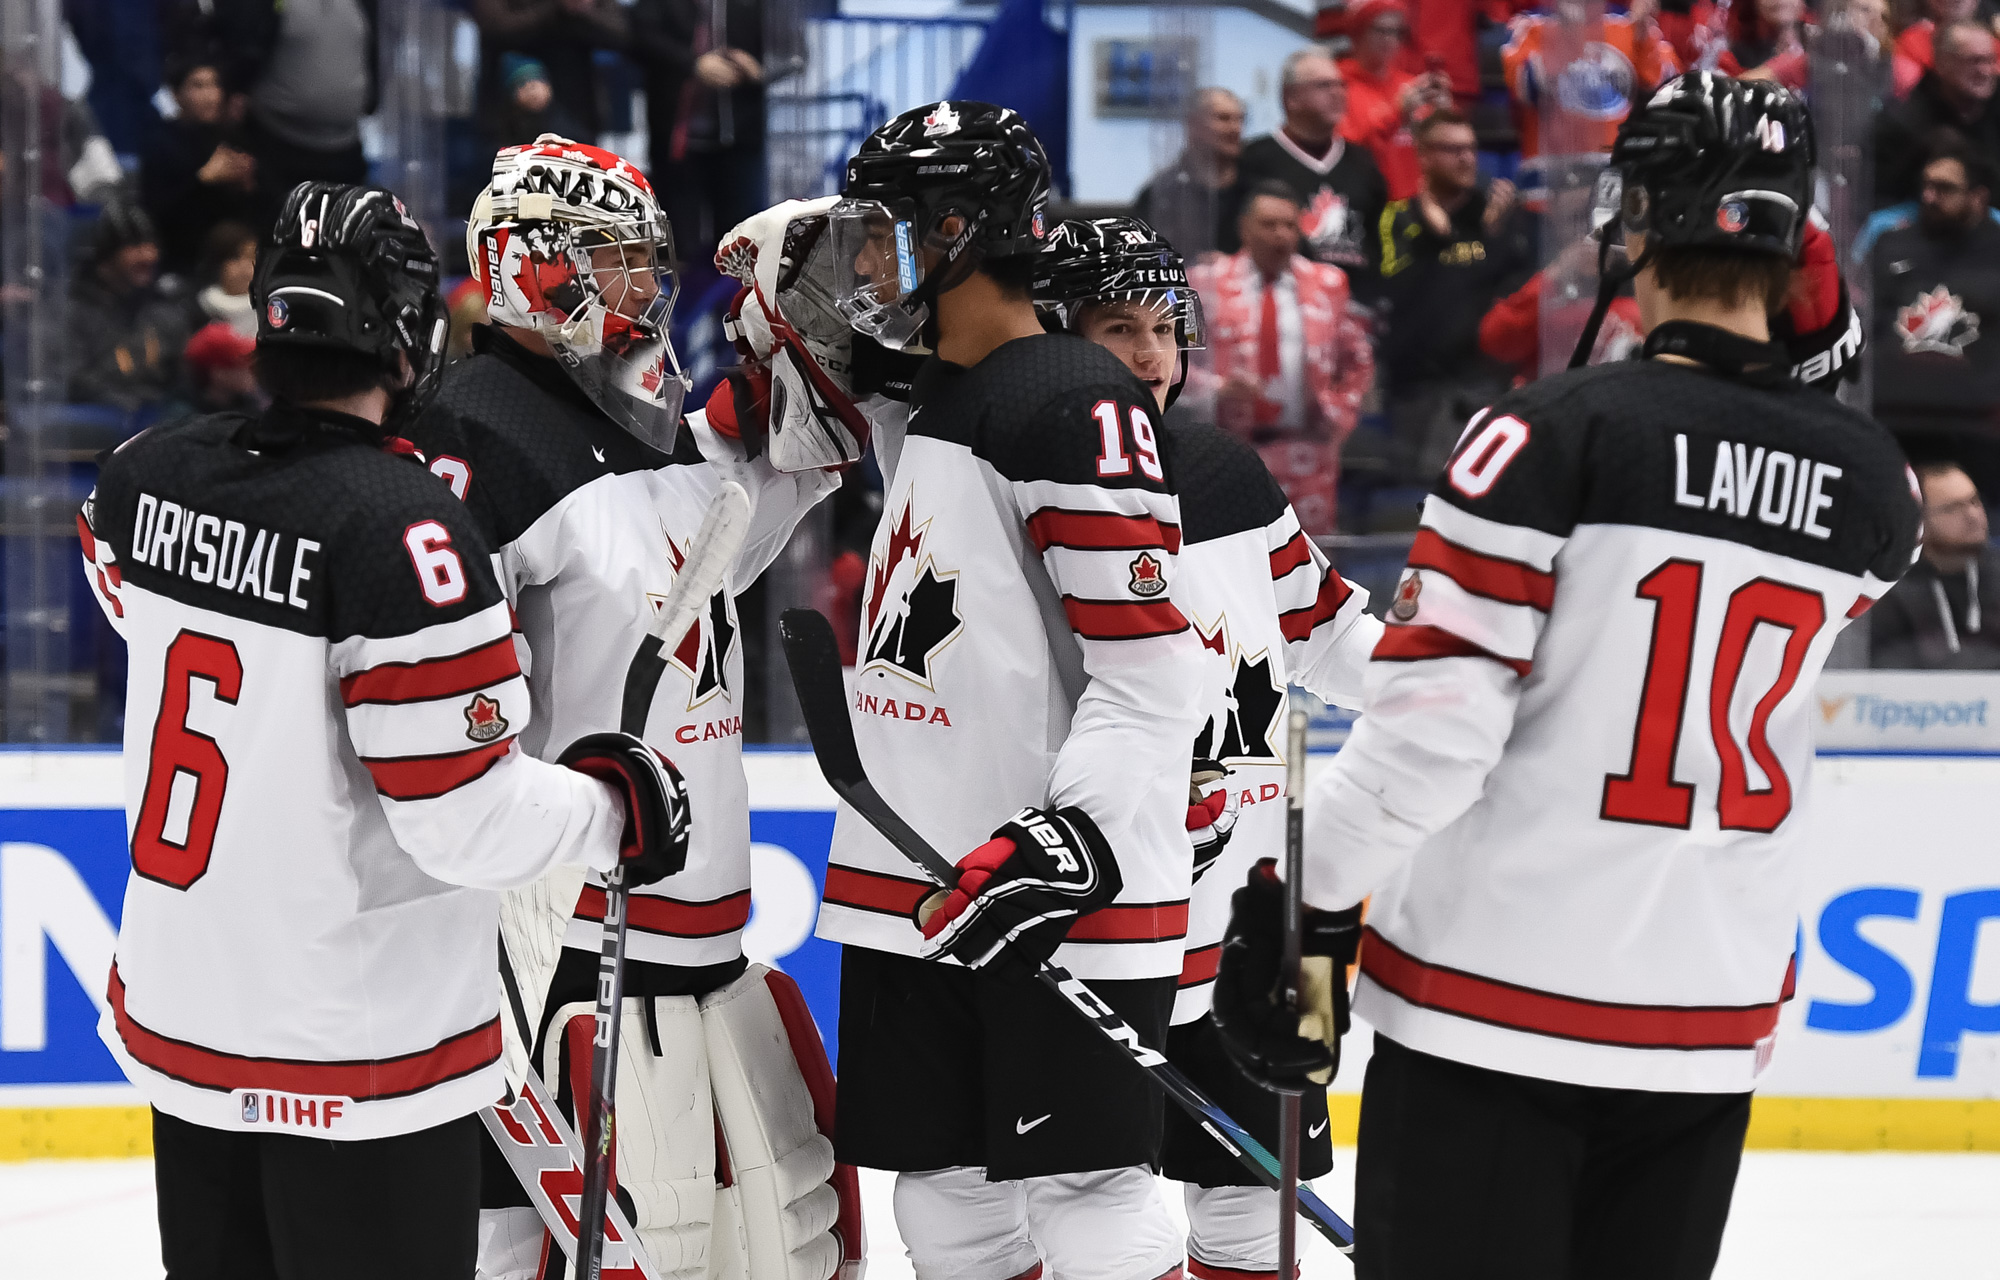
x=878, y=269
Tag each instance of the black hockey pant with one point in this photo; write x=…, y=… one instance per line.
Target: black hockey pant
x=256, y=1206
x=1466, y=1172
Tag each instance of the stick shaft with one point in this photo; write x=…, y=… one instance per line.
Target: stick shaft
x=1290, y=1104
x=599, y=1118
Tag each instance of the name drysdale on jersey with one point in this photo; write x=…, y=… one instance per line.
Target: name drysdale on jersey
x=226, y=554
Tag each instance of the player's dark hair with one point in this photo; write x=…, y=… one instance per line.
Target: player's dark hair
x=1436, y=120
x=306, y=375
x=1732, y=277
x=1936, y=469
x=1015, y=274
x=1950, y=144
x=1276, y=190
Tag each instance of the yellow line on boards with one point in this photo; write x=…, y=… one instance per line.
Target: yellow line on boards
x=1801, y=1124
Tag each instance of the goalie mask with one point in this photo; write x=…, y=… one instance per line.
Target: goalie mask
x=571, y=244
x=1117, y=282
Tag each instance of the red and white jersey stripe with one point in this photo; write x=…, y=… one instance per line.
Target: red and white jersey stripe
x=1588, y=729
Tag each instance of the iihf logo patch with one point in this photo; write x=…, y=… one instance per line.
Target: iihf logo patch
x=1731, y=216
x=1147, y=579
x=277, y=313
x=1035, y=225
x=483, y=721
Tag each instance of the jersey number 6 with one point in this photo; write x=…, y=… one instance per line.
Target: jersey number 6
x=181, y=752
x=1648, y=793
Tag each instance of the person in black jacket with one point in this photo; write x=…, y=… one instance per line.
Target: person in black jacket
x=1945, y=613
x=1955, y=94
x=705, y=83
x=194, y=173
x=565, y=37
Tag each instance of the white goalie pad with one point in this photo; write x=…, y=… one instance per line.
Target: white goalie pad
x=532, y=920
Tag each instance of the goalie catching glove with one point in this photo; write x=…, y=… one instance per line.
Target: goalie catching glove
x=797, y=342
x=1020, y=892
x=1277, y=1047
x=655, y=843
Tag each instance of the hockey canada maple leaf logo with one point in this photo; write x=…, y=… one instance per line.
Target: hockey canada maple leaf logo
x=483, y=721
x=1937, y=322
x=1325, y=220
x=1147, y=579
x=703, y=653
x=941, y=120
x=911, y=607
x=1252, y=704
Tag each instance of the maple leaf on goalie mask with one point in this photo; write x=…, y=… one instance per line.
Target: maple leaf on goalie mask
x=549, y=284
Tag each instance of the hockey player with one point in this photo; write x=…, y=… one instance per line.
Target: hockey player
x=323, y=784
x=1025, y=690
x=1576, y=793
x=563, y=433
x=1270, y=612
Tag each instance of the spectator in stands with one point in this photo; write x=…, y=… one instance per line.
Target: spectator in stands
x=1957, y=94
x=222, y=291
x=1384, y=97
x=1914, y=47
x=1945, y=612
x=529, y=109
x=1936, y=288
x=125, y=336
x=1691, y=28
x=704, y=67
x=1447, y=253
x=219, y=372
x=309, y=73
x=1631, y=53
x=1511, y=332
x=1338, y=185
x=564, y=36
x=1446, y=37
x=1192, y=202
x=1766, y=35
x=194, y=174
x=1287, y=361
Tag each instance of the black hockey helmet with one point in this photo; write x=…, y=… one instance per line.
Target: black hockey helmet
x=1116, y=259
x=974, y=160
x=1713, y=162
x=347, y=268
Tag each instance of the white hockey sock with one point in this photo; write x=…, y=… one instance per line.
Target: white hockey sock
x=1109, y=1224
x=510, y=1244
x=958, y=1226
x=1233, y=1229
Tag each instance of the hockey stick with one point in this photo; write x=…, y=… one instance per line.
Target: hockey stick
x=814, y=658
x=699, y=577
x=1289, y=1102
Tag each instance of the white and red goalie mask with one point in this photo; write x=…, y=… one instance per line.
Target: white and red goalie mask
x=786, y=321
x=571, y=244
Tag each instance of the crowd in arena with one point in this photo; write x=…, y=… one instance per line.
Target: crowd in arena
x=1372, y=270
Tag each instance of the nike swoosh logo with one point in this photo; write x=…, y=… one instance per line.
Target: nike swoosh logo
x=1317, y=1129
x=597, y=453
x=1022, y=1126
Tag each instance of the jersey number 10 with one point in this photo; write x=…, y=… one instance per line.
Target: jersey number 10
x=1648, y=792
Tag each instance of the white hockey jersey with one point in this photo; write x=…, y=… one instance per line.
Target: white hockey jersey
x=1020, y=645
x=591, y=526
x=1270, y=612
x=1588, y=731
x=323, y=787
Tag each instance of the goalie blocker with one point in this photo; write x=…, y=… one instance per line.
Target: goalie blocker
x=724, y=1158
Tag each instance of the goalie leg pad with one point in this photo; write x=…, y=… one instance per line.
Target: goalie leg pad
x=1108, y=1224
x=1232, y=1231
x=958, y=1226
x=783, y=1190
x=510, y=1244
x=665, y=1136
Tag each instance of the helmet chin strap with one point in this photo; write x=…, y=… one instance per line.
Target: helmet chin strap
x=1609, y=282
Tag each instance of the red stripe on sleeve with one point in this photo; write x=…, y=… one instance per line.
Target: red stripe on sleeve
x=1101, y=531
x=1122, y=620
x=363, y=1080
x=1333, y=593
x=1415, y=644
x=1504, y=1004
x=673, y=918
x=1861, y=605
x=83, y=533
x=1139, y=922
x=398, y=682
x=1508, y=581
x=1290, y=556
x=427, y=777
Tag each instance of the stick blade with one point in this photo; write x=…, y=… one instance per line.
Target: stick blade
x=813, y=654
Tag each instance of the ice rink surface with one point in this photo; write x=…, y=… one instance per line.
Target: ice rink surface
x=1798, y=1214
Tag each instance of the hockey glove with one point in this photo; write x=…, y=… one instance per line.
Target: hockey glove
x=655, y=843
x=740, y=406
x=1019, y=893
x=1277, y=1047
x=1212, y=813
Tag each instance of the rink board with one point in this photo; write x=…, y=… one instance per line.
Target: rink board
x=1893, y=1041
